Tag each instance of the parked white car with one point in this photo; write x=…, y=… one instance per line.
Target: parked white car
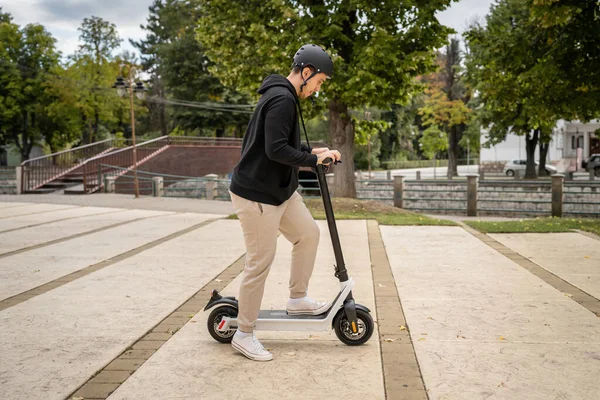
x=512, y=166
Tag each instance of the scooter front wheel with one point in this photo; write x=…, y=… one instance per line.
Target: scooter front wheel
x=344, y=332
x=214, y=319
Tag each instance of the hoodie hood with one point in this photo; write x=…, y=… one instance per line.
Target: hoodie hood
x=276, y=80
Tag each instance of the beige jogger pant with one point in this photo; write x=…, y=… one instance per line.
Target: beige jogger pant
x=260, y=224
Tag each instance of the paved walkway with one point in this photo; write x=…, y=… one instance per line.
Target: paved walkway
x=103, y=300
x=127, y=201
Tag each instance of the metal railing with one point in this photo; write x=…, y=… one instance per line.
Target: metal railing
x=36, y=172
x=120, y=161
x=40, y=170
x=203, y=141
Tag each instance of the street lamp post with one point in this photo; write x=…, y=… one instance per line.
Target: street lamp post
x=140, y=91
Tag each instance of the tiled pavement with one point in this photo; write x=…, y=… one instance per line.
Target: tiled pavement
x=101, y=301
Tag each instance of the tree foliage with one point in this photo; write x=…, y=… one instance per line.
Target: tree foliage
x=433, y=141
x=377, y=47
x=180, y=69
x=29, y=110
x=502, y=58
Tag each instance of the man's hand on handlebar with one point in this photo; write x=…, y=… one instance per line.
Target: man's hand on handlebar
x=329, y=156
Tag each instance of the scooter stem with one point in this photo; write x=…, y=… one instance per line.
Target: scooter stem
x=340, y=267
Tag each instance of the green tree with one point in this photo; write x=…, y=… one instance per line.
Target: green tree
x=500, y=62
x=180, y=69
x=535, y=62
x=368, y=132
x=399, y=141
x=29, y=113
x=451, y=78
x=433, y=141
x=378, y=48
x=92, y=63
x=568, y=55
x=10, y=78
x=447, y=116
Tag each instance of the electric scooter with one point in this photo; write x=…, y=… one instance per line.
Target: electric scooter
x=352, y=322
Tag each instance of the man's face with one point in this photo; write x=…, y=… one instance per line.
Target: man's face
x=314, y=84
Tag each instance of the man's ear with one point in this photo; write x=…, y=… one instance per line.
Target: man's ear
x=306, y=72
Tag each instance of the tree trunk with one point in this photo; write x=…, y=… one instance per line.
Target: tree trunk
x=531, y=144
x=96, y=124
x=220, y=132
x=85, y=138
x=20, y=147
x=543, y=154
x=21, y=142
x=342, y=136
x=453, y=139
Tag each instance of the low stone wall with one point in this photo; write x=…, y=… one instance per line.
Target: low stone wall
x=437, y=197
x=581, y=199
x=8, y=180
x=197, y=188
x=380, y=190
x=503, y=198
x=491, y=166
x=514, y=199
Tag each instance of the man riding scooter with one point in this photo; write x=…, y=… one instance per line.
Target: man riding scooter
x=263, y=193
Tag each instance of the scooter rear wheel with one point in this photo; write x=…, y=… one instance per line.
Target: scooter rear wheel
x=214, y=319
x=343, y=331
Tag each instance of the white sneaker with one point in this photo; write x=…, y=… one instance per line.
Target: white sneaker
x=248, y=345
x=306, y=306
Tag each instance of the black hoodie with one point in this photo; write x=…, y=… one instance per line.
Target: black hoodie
x=271, y=151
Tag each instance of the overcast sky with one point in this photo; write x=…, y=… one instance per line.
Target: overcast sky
x=63, y=17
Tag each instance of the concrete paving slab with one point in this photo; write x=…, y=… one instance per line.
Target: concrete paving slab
x=53, y=343
x=11, y=204
x=27, y=237
x=513, y=320
x=571, y=256
x=510, y=371
x=37, y=219
x=31, y=209
x=221, y=208
x=315, y=365
x=28, y=270
x=471, y=311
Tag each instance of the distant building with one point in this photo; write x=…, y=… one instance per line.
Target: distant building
x=567, y=138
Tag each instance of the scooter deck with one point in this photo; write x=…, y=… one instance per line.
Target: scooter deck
x=282, y=314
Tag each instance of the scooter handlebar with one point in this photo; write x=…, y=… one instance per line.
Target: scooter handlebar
x=328, y=161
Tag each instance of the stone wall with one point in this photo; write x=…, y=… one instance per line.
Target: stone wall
x=491, y=166
x=196, y=188
x=381, y=190
x=8, y=180
x=581, y=199
x=514, y=199
x=438, y=197
x=525, y=199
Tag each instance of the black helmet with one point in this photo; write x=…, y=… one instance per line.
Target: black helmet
x=314, y=56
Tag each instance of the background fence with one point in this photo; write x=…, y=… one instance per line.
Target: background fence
x=464, y=196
